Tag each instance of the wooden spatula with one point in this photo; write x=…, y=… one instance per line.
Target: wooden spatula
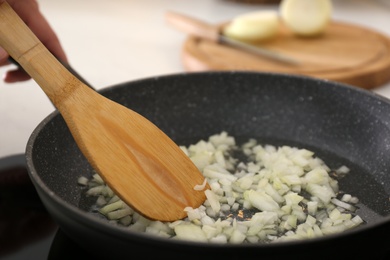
x=142, y=165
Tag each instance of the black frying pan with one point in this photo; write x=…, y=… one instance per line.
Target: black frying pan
x=342, y=124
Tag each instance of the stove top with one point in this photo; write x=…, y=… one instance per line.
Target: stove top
x=27, y=231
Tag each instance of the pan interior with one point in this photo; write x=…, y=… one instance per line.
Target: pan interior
x=341, y=124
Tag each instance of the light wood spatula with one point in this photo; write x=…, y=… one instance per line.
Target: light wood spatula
x=141, y=164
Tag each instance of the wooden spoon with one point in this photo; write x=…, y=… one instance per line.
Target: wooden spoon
x=141, y=164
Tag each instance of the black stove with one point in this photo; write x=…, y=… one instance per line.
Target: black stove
x=27, y=231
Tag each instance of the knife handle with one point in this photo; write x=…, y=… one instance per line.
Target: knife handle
x=193, y=26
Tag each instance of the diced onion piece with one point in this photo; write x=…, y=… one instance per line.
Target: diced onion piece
x=101, y=201
x=98, y=179
x=83, y=181
x=111, y=207
x=213, y=200
x=324, y=193
x=118, y=214
x=237, y=237
x=312, y=207
x=343, y=204
x=342, y=170
x=190, y=232
x=346, y=198
x=201, y=186
x=317, y=176
x=261, y=200
x=292, y=198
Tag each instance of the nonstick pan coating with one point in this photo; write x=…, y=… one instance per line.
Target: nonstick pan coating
x=344, y=125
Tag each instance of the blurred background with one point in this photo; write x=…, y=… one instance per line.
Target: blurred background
x=111, y=42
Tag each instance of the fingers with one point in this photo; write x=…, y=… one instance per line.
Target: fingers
x=29, y=11
x=16, y=75
x=41, y=28
x=12, y=76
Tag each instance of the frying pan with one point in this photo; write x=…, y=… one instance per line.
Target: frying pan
x=342, y=124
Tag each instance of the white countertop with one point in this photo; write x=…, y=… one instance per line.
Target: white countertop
x=111, y=42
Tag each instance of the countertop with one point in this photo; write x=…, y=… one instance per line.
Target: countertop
x=111, y=42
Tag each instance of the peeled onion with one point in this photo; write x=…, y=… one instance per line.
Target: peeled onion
x=306, y=17
x=254, y=26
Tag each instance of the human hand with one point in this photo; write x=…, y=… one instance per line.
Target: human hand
x=29, y=11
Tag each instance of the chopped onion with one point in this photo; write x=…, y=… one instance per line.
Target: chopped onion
x=83, y=181
x=201, y=186
x=275, y=194
x=343, y=204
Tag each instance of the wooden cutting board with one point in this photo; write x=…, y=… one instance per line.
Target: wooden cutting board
x=345, y=52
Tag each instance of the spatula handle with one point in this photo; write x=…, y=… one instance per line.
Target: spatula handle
x=25, y=48
x=66, y=65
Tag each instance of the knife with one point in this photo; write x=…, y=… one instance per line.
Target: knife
x=210, y=32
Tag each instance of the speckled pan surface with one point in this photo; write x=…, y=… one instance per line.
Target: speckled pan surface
x=342, y=124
